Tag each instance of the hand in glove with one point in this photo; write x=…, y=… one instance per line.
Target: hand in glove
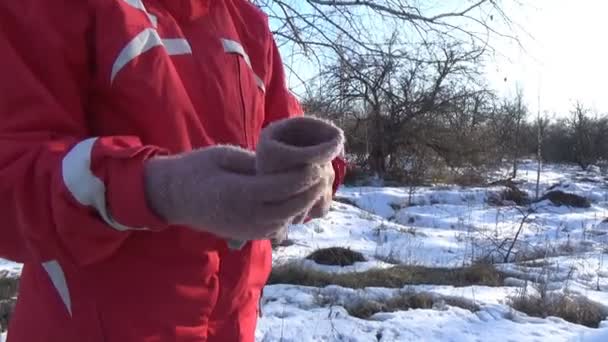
x=322, y=205
x=302, y=141
x=217, y=190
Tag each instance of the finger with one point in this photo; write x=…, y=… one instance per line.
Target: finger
x=235, y=159
x=321, y=208
x=293, y=206
x=331, y=172
x=315, y=212
x=278, y=235
x=260, y=230
x=308, y=213
x=300, y=218
x=282, y=186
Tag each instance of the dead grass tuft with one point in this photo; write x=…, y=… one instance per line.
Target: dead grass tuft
x=407, y=301
x=393, y=277
x=572, y=308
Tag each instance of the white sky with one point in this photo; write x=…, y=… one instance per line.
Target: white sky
x=564, y=55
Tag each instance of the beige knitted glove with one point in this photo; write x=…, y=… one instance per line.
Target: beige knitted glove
x=217, y=190
x=302, y=141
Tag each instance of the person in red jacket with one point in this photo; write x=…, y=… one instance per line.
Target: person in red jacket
x=127, y=131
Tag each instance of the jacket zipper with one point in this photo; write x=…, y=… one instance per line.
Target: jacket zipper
x=243, y=111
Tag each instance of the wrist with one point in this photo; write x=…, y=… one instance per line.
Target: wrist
x=158, y=186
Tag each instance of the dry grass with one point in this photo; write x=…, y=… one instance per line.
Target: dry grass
x=8, y=287
x=572, y=308
x=390, y=258
x=8, y=290
x=337, y=256
x=407, y=301
x=393, y=277
x=542, y=252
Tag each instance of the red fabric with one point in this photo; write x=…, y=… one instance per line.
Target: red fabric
x=339, y=165
x=66, y=84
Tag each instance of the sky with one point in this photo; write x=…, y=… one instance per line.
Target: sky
x=562, y=55
x=563, y=58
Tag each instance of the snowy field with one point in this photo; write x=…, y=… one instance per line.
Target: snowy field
x=447, y=226
x=450, y=226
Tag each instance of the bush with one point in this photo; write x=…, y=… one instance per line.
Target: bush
x=560, y=198
x=337, y=256
x=512, y=193
x=355, y=175
x=508, y=196
x=516, y=195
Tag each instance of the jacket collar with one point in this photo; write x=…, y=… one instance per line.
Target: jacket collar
x=187, y=10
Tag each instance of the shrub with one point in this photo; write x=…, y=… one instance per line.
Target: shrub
x=338, y=256
x=560, y=198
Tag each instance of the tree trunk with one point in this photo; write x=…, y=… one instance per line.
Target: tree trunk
x=377, y=160
x=377, y=157
x=539, y=155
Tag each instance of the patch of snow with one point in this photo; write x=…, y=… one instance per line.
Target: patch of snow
x=450, y=226
x=13, y=269
x=600, y=335
x=594, y=169
x=289, y=316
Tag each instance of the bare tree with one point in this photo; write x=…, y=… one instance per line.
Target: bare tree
x=518, y=113
x=402, y=104
x=509, y=128
x=404, y=76
x=541, y=126
x=581, y=127
x=329, y=30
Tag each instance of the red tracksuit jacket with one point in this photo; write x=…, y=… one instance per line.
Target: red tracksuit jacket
x=91, y=89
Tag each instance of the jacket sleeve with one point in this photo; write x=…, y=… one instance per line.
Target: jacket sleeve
x=64, y=192
x=281, y=103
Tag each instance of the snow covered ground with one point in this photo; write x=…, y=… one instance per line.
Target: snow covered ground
x=447, y=226
x=290, y=314
x=450, y=226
